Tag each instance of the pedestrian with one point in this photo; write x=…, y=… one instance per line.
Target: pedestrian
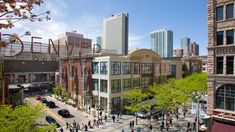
x=97, y=124
x=61, y=129
x=100, y=113
x=86, y=128
x=82, y=126
x=167, y=126
x=78, y=126
x=177, y=116
x=105, y=118
x=74, y=123
x=89, y=108
x=76, y=129
x=70, y=129
x=162, y=125
x=170, y=121
x=151, y=127
x=132, y=130
x=94, y=122
x=118, y=115
x=89, y=123
x=133, y=123
x=130, y=124
x=123, y=130
x=113, y=117
x=138, y=129
x=188, y=125
x=194, y=125
x=67, y=125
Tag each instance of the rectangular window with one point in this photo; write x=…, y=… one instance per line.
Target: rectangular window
x=220, y=65
x=230, y=36
x=116, y=86
x=229, y=11
x=104, y=68
x=136, y=68
x=95, y=84
x=220, y=38
x=147, y=69
x=103, y=86
x=126, y=66
x=116, y=104
x=126, y=84
x=219, y=13
x=136, y=83
x=95, y=68
x=116, y=68
x=103, y=102
x=230, y=64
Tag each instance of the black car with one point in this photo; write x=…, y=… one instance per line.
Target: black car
x=64, y=113
x=51, y=120
x=51, y=104
x=43, y=100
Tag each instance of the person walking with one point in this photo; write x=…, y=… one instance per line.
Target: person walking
x=130, y=124
x=162, y=125
x=133, y=123
x=105, y=118
x=167, y=125
x=86, y=128
x=150, y=127
x=113, y=117
x=89, y=123
x=67, y=125
x=94, y=122
x=61, y=129
x=123, y=130
x=138, y=129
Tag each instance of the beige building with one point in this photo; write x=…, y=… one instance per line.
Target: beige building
x=178, y=53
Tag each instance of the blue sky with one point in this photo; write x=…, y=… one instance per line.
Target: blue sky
x=186, y=18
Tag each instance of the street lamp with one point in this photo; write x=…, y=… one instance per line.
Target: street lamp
x=198, y=112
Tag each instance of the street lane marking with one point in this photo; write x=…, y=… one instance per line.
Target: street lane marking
x=45, y=109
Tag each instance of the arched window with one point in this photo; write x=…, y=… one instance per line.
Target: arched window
x=225, y=97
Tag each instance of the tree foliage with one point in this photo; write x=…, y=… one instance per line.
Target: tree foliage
x=175, y=93
x=57, y=90
x=12, y=11
x=22, y=119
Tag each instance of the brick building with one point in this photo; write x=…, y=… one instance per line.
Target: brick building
x=221, y=71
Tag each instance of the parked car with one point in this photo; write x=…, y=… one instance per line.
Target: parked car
x=51, y=120
x=43, y=100
x=51, y=104
x=64, y=113
x=37, y=97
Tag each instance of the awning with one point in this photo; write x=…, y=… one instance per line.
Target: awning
x=222, y=127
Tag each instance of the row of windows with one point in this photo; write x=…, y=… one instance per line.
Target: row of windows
x=147, y=68
x=229, y=37
x=229, y=12
x=116, y=84
x=229, y=65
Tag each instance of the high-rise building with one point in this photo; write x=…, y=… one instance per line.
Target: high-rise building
x=115, y=33
x=221, y=66
x=76, y=43
x=178, y=53
x=193, y=49
x=99, y=41
x=162, y=42
x=185, y=45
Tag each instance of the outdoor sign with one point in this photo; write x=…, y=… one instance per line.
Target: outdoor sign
x=202, y=109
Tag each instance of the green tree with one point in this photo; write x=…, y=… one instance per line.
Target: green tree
x=133, y=99
x=22, y=119
x=57, y=90
x=67, y=96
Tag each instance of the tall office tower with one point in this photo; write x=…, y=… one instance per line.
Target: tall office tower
x=178, y=53
x=99, y=41
x=115, y=33
x=72, y=44
x=221, y=66
x=162, y=42
x=185, y=45
x=193, y=49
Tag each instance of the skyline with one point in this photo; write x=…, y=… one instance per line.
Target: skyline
x=86, y=17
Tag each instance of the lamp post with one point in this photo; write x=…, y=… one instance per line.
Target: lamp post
x=198, y=112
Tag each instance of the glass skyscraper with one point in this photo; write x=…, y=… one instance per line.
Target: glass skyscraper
x=162, y=42
x=185, y=45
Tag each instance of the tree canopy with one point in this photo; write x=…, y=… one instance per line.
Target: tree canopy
x=12, y=11
x=22, y=119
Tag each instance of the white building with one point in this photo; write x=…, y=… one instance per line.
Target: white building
x=114, y=74
x=115, y=34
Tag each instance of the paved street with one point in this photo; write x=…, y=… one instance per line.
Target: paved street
x=120, y=124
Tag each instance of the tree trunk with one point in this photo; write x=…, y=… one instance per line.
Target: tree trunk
x=136, y=120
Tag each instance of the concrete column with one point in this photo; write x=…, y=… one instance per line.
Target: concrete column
x=224, y=66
